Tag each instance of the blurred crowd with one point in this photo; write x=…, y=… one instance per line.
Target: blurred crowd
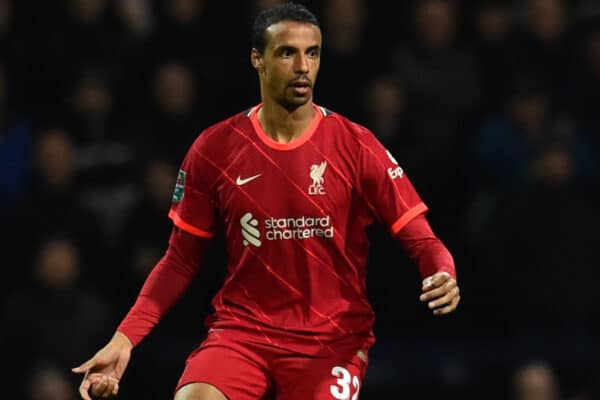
x=491, y=107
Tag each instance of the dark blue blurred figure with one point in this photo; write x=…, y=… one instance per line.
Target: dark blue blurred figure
x=509, y=143
x=585, y=95
x=16, y=142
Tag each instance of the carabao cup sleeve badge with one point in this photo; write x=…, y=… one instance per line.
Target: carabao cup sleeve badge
x=179, y=187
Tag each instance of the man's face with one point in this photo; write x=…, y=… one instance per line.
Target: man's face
x=290, y=63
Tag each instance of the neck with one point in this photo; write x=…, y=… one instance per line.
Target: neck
x=284, y=125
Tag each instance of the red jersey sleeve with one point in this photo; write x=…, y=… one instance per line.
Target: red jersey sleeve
x=164, y=286
x=385, y=187
x=194, y=207
x=423, y=247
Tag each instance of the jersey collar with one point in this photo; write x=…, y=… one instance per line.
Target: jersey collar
x=299, y=141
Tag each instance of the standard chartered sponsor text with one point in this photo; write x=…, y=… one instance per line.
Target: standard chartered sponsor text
x=298, y=228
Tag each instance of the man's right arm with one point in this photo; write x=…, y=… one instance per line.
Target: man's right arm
x=165, y=285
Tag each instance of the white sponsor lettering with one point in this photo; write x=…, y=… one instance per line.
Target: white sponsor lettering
x=397, y=172
x=285, y=228
x=394, y=173
x=298, y=228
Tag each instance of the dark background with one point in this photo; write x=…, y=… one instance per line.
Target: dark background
x=492, y=108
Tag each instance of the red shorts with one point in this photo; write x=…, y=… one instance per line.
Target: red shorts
x=257, y=370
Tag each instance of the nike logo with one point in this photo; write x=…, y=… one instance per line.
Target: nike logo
x=241, y=181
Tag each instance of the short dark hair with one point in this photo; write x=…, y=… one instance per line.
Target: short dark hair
x=282, y=12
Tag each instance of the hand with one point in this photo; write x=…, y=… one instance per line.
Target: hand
x=105, y=369
x=441, y=293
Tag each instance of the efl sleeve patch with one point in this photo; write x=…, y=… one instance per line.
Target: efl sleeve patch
x=179, y=191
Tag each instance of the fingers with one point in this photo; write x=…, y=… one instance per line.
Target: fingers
x=441, y=292
x=87, y=380
x=113, y=387
x=449, y=308
x=435, y=280
x=98, y=385
x=85, y=367
x=84, y=387
x=103, y=386
x=444, y=300
x=106, y=388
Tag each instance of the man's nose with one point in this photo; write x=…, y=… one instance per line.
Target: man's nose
x=301, y=64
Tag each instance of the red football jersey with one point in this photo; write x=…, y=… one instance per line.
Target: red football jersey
x=295, y=218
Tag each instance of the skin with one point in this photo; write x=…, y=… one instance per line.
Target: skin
x=103, y=371
x=287, y=71
x=441, y=293
x=292, y=56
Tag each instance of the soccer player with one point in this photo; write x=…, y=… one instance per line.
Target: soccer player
x=295, y=186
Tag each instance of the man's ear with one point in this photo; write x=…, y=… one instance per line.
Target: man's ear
x=257, y=60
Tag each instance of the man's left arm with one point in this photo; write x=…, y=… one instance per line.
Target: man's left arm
x=394, y=201
x=440, y=290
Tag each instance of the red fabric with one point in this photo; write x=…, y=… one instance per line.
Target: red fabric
x=423, y=247
x=295, y=217
x=244, y=368
x=166, y=283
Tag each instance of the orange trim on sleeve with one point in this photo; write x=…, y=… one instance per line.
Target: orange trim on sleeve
x=407, y=217
x=180, y=223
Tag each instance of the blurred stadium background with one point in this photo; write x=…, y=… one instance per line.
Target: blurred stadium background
x=491, y=107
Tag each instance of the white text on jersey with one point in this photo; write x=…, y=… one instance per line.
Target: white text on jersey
x=285, y=228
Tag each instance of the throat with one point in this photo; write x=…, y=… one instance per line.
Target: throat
x=283, y=126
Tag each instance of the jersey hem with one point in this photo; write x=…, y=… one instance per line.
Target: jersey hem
x=180, y=223
x=407, y=217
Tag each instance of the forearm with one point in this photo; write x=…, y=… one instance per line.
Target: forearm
x=425, y=249
x=165, y=284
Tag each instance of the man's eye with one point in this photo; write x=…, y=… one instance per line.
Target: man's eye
x=286, y=53
x=313, y=53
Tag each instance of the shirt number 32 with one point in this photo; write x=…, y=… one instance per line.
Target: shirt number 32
x=341, y=390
